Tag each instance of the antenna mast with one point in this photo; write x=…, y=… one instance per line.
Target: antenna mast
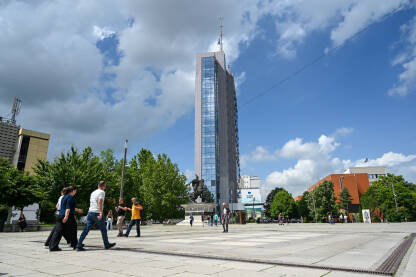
x=17, y=105
x=220, y=26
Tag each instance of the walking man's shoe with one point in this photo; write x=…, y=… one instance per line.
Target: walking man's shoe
x=125, y=235
x=110, y=245
x=80, y=249
x=120, y=235
x=55, y=249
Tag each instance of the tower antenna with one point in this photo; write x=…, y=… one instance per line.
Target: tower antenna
x=17, y=104
x=220, y=26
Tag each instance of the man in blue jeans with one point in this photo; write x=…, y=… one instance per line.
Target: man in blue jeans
x=95, y=216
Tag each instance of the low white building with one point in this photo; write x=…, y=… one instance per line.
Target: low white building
x=374, y=172
x=249, y=193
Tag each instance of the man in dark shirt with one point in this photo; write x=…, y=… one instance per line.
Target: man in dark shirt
x=66, y=222
x=121, y=210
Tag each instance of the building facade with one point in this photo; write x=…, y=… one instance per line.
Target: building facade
x=8, y=139
x=31, y=147
x=374, y=172
x=216, y=130
x=249, y=193
x=356, y=183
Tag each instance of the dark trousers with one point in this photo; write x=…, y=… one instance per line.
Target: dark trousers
x=132, y=222
x=48, y=240
x=68, y=228
x=225, y=223
x=92, y=219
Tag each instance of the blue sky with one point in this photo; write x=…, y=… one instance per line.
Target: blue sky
x=127, y=71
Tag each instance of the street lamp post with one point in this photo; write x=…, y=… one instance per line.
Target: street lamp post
x=395, y=197
x=124, y=168
x=254, y=213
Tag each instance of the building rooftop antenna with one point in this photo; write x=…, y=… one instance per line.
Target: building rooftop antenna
x=220, y=26
x=17, y=105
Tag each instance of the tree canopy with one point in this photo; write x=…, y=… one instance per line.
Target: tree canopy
x=322, y=199
x=269, y=200
x=283, y=203
x=380, y=196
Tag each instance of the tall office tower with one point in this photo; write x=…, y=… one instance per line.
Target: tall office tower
x=216, y=130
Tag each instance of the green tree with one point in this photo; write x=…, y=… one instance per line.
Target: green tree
x=380, y=196
x=17, y=188
x=207, y=196
x=344, y=199
x=283, y=203
x=82, y=169
x=322, y=200
x=164, y=188
x=269, y=200
x=302, y=207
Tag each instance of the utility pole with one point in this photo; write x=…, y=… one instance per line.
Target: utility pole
x=124, y=168
x=395, y=197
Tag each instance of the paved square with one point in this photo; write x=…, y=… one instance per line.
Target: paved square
x=247, y=250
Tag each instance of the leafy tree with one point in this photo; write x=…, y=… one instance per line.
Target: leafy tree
x=17, y=188
x=323, y=200
x=269, y=200
x=380, y=196
x=302, y=207
x=283, y=203
x=344, y=199
x=164, y=188
x=207, y=196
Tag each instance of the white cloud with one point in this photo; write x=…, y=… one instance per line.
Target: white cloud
x=389, y=159
x=407, y=59
x=260, y=154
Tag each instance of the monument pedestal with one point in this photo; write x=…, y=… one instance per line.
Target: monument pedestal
x=199, y=212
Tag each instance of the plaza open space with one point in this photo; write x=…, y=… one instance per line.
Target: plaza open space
x=247, y=250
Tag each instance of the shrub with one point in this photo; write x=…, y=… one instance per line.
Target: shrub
x=47, y=212
x=4, y=211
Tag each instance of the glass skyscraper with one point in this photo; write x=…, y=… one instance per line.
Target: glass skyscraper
x=216, y=132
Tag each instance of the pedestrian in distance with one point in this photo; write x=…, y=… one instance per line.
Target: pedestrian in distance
x=345, y=218
x=66, y=223
x=136, y=217
x=341, y=218
x=121, y=210
x=58, y=209
x=191, y=219
x=216, y=219
x=95, y=217
x=22, y=222
x=110, y=220
x=225, y=217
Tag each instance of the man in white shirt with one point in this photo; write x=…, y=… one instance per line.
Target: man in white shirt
x=95, y=216
x=225, y=217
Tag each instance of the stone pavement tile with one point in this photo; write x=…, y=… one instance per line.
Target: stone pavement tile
x=202, y=269
x=138, y=270
x=190, y=274
x=245, y=273
x=95, y=273
x=161, y=264
x=13, y=270
x=242, y=265
x=295, y=271
x=63, y=269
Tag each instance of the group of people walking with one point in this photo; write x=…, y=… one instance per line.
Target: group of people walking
x=66, y=225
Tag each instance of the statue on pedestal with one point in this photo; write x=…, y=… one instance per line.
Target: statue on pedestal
x=198, y=187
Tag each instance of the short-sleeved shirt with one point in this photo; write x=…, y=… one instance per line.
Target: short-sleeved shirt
x=95, y=196
x=135, y=213
x=120, y=211
x=67, y=202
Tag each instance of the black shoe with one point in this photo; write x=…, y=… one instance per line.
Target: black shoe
x=75, y=247
x=110, y=245
x=80, y=249
x=55, y=249
x=138, y=236
x=125, y=235
x=120, y=235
